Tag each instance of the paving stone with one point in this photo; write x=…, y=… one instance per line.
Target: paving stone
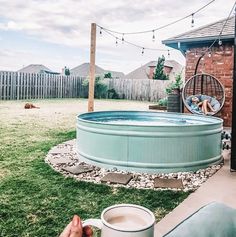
x=191, y=180
x=59, y=160
x=168, y=183
x=79, y=169
x=57, y=150
x=116, y=178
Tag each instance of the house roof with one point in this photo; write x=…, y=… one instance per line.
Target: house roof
x=36, y=68
x=143, y=71
x=83, y=71
x=205, y=33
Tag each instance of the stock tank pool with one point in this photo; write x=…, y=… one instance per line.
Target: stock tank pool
x=149, y=142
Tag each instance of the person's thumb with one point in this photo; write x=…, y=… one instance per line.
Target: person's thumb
x=76, y=227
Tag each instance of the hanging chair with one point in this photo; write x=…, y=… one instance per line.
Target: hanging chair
x=204, y=87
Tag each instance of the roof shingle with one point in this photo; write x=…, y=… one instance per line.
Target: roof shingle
x=143, y=71
x=34, y=68
x=83, y=71
x=207, y=32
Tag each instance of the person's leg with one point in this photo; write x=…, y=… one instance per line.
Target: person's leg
x=204, y=106
x=210, y=107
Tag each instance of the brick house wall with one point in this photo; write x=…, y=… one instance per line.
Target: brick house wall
x=167, y=70
x=151, y=72
x=220, y=65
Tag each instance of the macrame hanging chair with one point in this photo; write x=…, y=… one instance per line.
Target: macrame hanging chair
x=205, y=87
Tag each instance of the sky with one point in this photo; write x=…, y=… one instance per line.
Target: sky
x=56, y=33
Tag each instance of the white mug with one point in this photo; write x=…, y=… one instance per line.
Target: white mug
x=124, y=220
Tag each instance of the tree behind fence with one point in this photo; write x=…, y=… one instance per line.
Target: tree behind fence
x=22, y=86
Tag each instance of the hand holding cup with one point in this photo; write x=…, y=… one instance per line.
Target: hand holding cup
x=75, y=229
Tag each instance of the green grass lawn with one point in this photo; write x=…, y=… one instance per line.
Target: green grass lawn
x=37, y=201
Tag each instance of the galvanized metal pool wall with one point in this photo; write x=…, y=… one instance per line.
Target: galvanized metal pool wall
x=150, y=142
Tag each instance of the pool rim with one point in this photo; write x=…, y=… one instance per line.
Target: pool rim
x=217, y=121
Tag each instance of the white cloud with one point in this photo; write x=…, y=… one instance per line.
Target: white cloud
x=67, y=23
x=16, y=59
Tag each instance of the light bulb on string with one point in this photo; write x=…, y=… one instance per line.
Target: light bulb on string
x=116, y=41
x=209, y=54
x=168, y=53
x=153, y=36
x=142, y=51
x=100, y=31
x=123, y=39
x=192, y=21
x=220, y=42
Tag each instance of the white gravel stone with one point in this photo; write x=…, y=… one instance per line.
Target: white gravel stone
x=191, y=180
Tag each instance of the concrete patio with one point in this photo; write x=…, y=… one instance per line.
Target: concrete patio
x=221, y=187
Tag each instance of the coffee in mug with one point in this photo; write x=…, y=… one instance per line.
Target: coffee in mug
x=125, y=220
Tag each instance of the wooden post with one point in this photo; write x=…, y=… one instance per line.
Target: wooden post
x=92, y=68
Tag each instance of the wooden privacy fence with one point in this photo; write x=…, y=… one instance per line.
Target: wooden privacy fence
x=139, y=89
x=18, y=86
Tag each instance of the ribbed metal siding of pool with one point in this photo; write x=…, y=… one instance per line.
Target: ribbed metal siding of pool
x=150, y=149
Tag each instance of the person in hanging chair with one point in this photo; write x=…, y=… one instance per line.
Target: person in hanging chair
x=195, y=107
x=201, y=107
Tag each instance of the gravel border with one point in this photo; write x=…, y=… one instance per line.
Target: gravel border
x=191, y=180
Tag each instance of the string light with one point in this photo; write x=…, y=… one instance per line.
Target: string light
x=153, y=31
x=153, y=36
x=164, y=26
x=142, y=51
x=108, y=31
x=135, y=45
x=209, y=54
x=192, y=21
x=168, y=53
x=218, y=38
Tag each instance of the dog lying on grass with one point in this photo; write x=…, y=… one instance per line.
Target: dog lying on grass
x=31, y=106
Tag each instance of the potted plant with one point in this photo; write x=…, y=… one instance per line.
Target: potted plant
x=175, y=86
x=173, y=94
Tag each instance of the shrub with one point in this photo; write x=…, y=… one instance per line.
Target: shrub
x=100, y=90
x=112, y=94
x=107, y=75
x=162, y=102
x=67, y=71
x=177, y=84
